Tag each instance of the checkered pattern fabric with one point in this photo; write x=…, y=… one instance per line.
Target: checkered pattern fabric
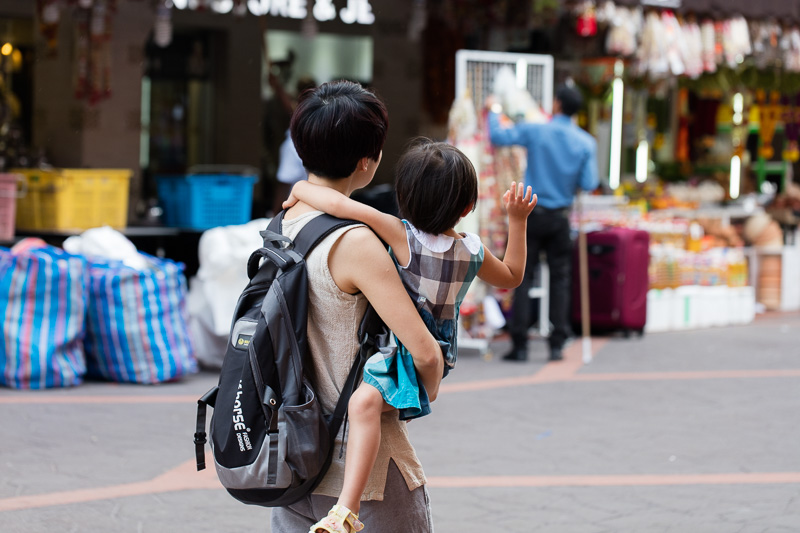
x=437, y=278
x=438, y=281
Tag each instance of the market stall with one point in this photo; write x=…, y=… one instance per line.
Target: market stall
x=696, y=110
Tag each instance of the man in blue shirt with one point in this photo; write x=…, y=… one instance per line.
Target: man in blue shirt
x=561, y=159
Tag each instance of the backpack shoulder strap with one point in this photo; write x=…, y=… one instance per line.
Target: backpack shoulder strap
x=316, y=230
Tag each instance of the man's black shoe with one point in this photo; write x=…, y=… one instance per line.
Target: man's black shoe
x=556, y=355
x=516, y=354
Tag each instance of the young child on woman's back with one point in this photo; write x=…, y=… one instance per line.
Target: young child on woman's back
x=436, y=186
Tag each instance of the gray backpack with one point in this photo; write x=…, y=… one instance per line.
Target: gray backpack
x=271, y=441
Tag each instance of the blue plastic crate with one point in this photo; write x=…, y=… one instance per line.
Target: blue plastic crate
x=203, y=201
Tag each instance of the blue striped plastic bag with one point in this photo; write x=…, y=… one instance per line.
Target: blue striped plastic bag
x=137, y=328
x=43, y=304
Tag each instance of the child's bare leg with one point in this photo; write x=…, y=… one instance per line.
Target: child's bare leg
x=363, y=441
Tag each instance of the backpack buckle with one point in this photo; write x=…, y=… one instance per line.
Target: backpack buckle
x=200, y=438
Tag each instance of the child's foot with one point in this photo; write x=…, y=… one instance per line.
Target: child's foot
x=340, y=519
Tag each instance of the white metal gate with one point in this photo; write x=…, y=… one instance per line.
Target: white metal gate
x=476, y=70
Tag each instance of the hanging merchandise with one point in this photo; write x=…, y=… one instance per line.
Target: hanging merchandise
x=708, y=37
x=100, y=39
x=790, y=44
x=624, y=26
x=766, y=37
x=735, y=41
x=462, y=122
x=500, y=166
x=651, y=56
x=162, y=27
x=693, y=47
x=586, y=25
x=719, y=52
x=674, y=42
x=82, y=58
x=49, y=15
x=662, y=48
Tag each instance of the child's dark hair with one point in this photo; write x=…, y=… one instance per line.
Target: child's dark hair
x=435, y=183
x=336, y=125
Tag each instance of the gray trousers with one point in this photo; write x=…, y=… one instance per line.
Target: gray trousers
x=401, y=511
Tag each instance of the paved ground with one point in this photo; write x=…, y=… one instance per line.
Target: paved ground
x=694, y=432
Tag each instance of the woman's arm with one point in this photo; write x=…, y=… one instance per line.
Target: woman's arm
x=388, y=227
x=358, y=262
x=508, y=273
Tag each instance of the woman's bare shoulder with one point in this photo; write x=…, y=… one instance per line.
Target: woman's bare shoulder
x=358, y=257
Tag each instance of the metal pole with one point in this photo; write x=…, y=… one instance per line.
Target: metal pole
x=583, y=260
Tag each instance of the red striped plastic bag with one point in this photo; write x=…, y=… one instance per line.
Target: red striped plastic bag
x=42, y=304
x=137, y=328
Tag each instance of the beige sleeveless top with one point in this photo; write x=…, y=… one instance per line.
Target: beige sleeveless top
x=333, y=320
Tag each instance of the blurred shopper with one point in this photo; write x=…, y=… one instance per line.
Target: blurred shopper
x=290, y=166
x=561, y=159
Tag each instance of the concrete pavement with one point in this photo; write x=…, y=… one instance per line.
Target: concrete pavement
x=695, y=431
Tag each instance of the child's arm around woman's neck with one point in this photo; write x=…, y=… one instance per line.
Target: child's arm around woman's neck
x=389, y=228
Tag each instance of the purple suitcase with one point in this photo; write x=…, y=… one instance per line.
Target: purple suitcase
x=618, y=280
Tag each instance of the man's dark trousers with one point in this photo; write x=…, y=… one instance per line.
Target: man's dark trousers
x=548, y=231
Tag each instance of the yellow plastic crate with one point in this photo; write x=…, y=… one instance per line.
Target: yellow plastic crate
x=74, y=199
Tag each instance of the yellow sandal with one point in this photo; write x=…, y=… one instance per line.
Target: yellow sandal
x=337, y=521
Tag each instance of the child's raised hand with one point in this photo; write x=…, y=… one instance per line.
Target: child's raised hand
x=519, y=201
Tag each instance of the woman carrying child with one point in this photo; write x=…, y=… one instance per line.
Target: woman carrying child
x=436, y=186
x=339, y=130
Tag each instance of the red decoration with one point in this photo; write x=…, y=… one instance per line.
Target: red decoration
x=587, y=22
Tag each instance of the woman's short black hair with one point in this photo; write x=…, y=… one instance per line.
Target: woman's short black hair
x=435, y=184
x=336, y=125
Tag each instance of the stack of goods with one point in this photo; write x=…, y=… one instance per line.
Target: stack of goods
x=671, y=268
x=96, y=308
x=766, y=237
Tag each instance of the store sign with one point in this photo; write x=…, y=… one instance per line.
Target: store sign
x=356, y=12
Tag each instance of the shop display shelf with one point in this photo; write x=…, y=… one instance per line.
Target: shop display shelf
x=203, y=201
x=71, y=199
